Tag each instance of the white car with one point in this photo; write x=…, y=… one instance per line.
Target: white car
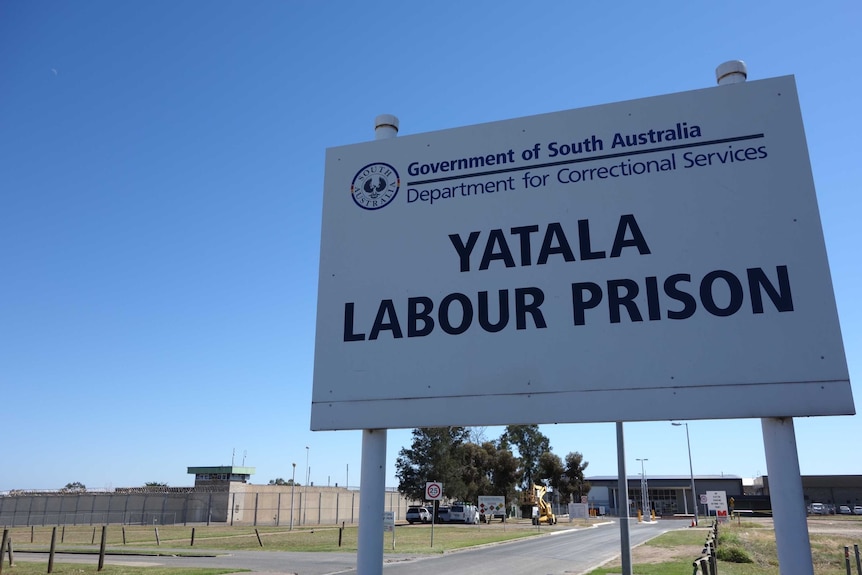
x=857, y=510
x=417, y=515
x=818, y=509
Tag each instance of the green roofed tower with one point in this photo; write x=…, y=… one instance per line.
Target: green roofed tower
x=221, y=475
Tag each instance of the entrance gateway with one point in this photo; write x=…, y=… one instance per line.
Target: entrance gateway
x=496, y=304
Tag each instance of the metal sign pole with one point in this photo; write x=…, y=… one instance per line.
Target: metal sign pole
x=372, y=486
x=623, y=501
x=372, y=489
x=785, y=495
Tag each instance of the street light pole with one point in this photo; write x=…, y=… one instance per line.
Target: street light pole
x=307, y=468
x=292, y=490
x=645, y=507
x=690, y=470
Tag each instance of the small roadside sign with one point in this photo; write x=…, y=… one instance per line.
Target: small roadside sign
x=433, y=491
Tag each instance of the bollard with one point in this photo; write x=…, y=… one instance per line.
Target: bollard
x=701, y=564
x=193, y=538
x=847, y=559
x=51, y=552
x=158, y=541
x=102, y=546
x=858, y=562
x=9, y=549
x=3, y=547
x=124, y=534
x=256, y=532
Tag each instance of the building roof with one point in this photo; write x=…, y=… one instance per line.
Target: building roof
x=223, y=469
x=668, y=477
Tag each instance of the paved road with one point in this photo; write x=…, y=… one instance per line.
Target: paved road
x=563, y=552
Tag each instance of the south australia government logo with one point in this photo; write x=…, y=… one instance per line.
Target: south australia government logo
x=375, y=186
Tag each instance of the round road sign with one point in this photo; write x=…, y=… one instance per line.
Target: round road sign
x=433, y=491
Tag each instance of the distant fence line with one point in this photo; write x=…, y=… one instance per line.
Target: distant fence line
x=253, y=505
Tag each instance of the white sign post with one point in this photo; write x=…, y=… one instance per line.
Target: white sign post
x=491, y=505
x=717, y=501
x=389, y=525
x=433, y=492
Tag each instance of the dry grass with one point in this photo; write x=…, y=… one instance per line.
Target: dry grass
x=408, y=539
x=673, y=553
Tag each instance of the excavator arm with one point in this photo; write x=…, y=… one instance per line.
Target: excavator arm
x=546, y=514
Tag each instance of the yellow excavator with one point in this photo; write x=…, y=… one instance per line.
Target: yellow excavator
x=537, y=498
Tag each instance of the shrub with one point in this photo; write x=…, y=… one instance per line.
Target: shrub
x=732, y=555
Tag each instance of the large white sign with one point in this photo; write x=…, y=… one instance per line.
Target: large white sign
x=717, y=501
x=645, y=260
x=492, y=505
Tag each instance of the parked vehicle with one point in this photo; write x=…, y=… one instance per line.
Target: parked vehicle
x=463, y=513
x=819, y=509
x=857, y=510
x=844, y=510
x=443, y=514
x=417, y=515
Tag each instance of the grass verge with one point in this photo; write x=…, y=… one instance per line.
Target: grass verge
x=177, y=540
x=33, y=568
x=749, y=540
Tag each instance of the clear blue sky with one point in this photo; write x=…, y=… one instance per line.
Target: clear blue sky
x=161, y=172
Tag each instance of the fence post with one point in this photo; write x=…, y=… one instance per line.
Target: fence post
x=3, y=547
x=158, y=541
x=713, y=560
x=858, y=562
x=53, y=547
x=102, y=546
x=9, y=550
x=847, y=559
x=192, y=544
x=256, y=495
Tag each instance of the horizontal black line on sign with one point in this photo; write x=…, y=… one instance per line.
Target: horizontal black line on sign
x=556, y=392
x=589, y=159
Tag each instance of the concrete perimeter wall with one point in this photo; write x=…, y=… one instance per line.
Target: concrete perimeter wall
x=244, y=504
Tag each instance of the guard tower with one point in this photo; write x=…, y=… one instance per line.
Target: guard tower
x=221, y=476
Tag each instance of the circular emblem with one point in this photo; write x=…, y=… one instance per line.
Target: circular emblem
x=375, y=186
